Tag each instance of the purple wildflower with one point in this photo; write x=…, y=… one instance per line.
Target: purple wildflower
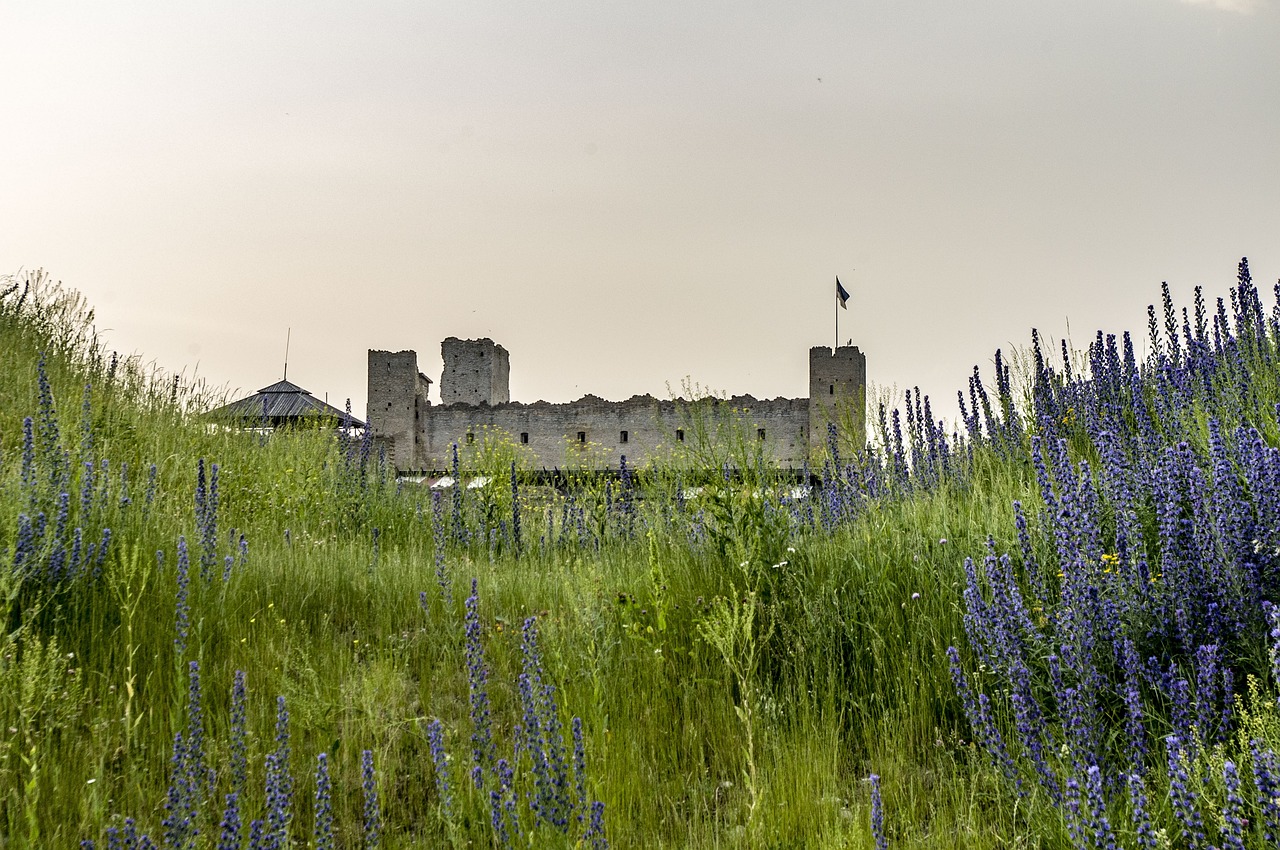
x=1233, y=825
x=579, y=769
x=482, y=746
x=239, y=735
x=440, y=760
x=372, y=810
x=515, y=510
x=323, y=826
x=877, y=814
x=1266, y=781
x=1141, y=818
x=279, y=783
x=182, y=614
x=229, y=830
x=194, y=762
x=1182, y=795
x=1103, y=837
x=594, y=836
x=438, y=545
x=179, y=819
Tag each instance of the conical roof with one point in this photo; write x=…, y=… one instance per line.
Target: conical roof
x=281, y=403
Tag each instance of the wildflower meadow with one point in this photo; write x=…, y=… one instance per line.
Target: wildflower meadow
x=1054, y=622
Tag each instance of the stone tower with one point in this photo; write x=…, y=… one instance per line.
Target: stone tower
x=837, y=393
x=476, y=371
x=397, y=404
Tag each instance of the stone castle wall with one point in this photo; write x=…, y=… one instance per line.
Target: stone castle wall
x=595, y=433
x=591, y=432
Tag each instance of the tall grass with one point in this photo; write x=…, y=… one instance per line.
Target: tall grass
x=742, y=654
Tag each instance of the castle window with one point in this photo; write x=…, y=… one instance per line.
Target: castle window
x=524, y=437
x=760, y=433
x=833, y=389
x=679, y=435
x=622, y=438
x=582, y=436
x=471, y=438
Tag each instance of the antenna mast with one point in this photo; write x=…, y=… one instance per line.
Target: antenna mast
x=287, y=335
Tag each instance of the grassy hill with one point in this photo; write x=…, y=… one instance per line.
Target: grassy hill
x=1047, y=628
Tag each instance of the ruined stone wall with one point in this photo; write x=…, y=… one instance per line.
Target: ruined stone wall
x=588, y=433
x=476, y=371
x=593, y=433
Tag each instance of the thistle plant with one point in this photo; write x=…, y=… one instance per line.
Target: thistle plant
x=730, y=629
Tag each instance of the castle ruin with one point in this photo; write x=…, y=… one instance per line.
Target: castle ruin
x=590, y=432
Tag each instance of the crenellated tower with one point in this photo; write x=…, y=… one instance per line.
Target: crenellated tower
x=837, y=393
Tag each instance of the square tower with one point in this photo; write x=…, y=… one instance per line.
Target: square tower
x=476, y=371
x=398, y=398
x=838, y=394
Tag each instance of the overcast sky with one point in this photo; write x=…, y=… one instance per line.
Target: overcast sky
x=626, y=194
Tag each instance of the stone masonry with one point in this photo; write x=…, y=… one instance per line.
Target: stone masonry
x=476, y=371
x=592, y=432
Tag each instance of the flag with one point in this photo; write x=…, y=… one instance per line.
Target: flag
x=842, y=294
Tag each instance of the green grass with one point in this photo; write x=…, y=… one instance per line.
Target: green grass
x=847, y=672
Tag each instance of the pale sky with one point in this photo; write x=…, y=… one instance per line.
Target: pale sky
x=625, y=194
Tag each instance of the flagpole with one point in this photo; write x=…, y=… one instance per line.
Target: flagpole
x=842, y=297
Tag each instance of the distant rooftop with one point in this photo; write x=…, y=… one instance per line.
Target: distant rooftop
x=280, y=405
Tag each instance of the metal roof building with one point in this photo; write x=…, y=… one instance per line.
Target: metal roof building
x=282, y=405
